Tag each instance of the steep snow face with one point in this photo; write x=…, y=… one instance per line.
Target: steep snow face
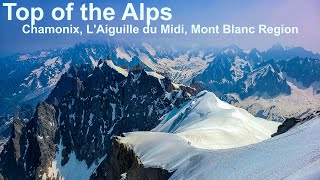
x=57, y=171
x=293, y=155
x=123, y=54
x=156, y=75
x=118, y=69
x=207, y=122
x=149, y=48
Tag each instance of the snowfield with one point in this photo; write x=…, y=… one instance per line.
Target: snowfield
x=207, y=122
x=293, y=155
x=209, y=139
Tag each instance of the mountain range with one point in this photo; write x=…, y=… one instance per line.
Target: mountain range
x=74, y=127
x=231, y=73
x=90, y=96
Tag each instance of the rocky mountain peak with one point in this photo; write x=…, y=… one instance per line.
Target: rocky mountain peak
x=84, y=111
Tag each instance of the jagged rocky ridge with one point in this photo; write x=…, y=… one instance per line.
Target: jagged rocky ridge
x=267, y=89
x=28, y=78
x=232, y=73
x=81, y=115
x=22, y=112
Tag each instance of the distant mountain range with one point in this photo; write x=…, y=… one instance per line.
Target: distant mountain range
x=252, y=79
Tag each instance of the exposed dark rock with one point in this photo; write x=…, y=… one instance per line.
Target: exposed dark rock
x=227, y=75
x=23, y=112
x=291, y=122
x=195, y=84
x=84, y=111
x=125, y=162
x=303, y=70
x=285, y=126
x=9, y=157
x=31, y=148
x=229, y=99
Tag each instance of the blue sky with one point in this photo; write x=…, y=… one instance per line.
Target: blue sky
x=302, y=13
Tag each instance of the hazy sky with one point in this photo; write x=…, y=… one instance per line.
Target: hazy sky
x=302, y=13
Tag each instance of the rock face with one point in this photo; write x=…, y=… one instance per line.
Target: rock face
x=81, y=115
x=303, y=70
x=265, y=89
x=231, y=74
x=13, y=148
x=22, y=112
x=29, y=78
x=31, y=147
x=292, y=122
x=286, y=126
x=125, y=163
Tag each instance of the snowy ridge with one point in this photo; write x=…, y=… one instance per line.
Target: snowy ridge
x=123, y=54
x=154, y=74
x=149, y=48
x=118, y=69
x=293, y=155
x=207, y=122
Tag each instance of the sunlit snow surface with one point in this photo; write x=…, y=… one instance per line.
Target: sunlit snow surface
x=198, y=131
x=293, y=155
x=210, y=123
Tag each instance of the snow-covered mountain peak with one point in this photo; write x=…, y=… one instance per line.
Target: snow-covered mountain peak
x=209, y=123
x=278, y=46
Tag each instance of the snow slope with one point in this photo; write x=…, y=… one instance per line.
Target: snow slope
x=293, y=155
x=210, y=123
x=56, y=171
